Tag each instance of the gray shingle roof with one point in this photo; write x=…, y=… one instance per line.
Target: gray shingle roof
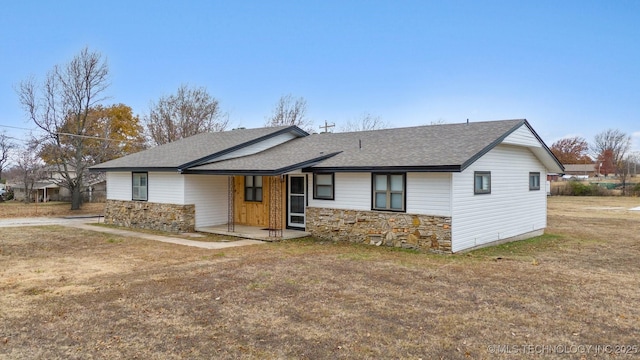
x=180, y=153
x=433, y=146
x=447, y=147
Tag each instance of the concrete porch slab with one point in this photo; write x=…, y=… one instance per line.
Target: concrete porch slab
x=252, y=232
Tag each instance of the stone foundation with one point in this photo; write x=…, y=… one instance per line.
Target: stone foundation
x=409, y=231
x=152, y=216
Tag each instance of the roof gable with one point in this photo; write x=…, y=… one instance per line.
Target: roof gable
x=527, y=137
x=201, y=148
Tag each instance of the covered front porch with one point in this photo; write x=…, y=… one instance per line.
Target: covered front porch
x=264, y=207
x=253, y=232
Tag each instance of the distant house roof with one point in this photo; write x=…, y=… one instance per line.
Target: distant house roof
x=579, y=168
x=38, y=185
x=433, y=148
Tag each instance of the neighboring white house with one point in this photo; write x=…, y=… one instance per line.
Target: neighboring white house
x=443, y=188
x=47, y=187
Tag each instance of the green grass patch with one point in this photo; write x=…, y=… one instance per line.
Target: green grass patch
x=524, y=248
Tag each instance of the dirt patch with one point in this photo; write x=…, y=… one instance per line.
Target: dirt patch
x=75, y=294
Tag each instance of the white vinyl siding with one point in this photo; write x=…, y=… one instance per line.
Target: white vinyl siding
x=509, y=210
x=166, y=188
x=119, y=186
x=523, y=137
x=429, y=194
x=162, y=187
x=209, y=194
x=352, y=191
x=258, y=147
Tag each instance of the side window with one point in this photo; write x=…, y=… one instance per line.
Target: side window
x=389, y=191
x=323, y=186
x=534, y=181
x=139, y=186
x=253, y=188
x=482, y=182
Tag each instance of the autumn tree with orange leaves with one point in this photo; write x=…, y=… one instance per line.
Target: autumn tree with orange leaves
x=573, y=150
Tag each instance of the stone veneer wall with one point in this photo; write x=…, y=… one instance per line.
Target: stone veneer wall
x=153, y=216
x=409, y=231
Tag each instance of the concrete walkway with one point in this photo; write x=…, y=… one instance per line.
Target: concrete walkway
x=84, y=223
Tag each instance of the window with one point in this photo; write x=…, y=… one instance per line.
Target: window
x=139, y=186
x=388, y=192
x=323, y=186
x=253, y=188
x=534, y=181
x=482, y=182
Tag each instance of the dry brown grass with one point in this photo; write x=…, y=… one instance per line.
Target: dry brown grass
x=14, y=209
x=73, y=294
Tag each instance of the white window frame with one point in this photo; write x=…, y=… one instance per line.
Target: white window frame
x=137, y=189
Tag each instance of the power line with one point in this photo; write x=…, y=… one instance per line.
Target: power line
x=98, y=138
x=15, y=127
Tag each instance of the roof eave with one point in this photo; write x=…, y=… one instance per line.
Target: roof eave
x=544, y=145
x=267, y=172
x=209, y=158
x=134, y=169
x=421, y=168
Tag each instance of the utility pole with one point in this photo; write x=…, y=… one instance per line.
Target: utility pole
x=327, y=126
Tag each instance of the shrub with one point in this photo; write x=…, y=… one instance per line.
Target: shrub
x=579, y=188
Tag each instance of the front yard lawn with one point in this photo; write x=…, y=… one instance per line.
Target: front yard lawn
x=73, y=294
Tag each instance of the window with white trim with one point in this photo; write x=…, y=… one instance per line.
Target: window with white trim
x=389, y=191
x=323, y=186
x=534, y=181
x=482, y=182
x=139, y=187
x=253, y=188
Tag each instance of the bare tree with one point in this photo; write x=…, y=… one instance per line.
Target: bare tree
x=614, y=141
x=6, y=145
x=290, y=111
x=189, y=112
x=633, y=159
x=29, y=168
x=365, y=122
x=60, y=108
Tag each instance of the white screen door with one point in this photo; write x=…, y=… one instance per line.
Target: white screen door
x=297, y=200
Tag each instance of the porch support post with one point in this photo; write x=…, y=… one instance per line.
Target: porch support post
x=275, y=207
x=230, y=210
